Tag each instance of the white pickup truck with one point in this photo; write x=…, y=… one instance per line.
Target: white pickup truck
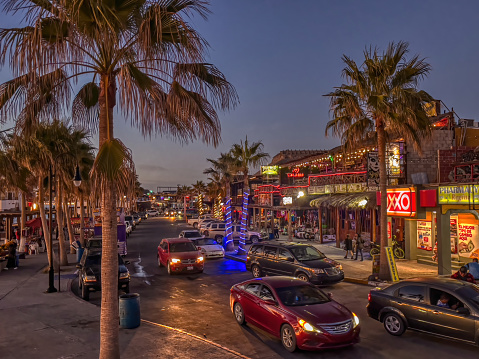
x=196, y=221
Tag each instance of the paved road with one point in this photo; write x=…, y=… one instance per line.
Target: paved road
x=199, y=304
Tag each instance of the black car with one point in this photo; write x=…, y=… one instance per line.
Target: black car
x=293, y=259
x=442, y=306
x=89, y=273
x=131, y=220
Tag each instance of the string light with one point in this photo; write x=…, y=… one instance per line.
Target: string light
x=229, y=233
x=244, y=215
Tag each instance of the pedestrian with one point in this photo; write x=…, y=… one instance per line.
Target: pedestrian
x=462, y=274
x=355, y=242
x=359, y=246
x=12, y=255
x=473, y=268
x=348, y=246
x=276, y=231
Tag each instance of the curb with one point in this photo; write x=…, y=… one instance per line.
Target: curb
x=229, y=256
x=356, y=281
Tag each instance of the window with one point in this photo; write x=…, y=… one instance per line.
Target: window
x=257, y=249
x=443, y=299
x=221, y=226
x=253, y=288
x=266, y=294
x=416, y=293
x=284, y=254
x=270, y=252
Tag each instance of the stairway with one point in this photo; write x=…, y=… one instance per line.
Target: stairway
x=425, y=259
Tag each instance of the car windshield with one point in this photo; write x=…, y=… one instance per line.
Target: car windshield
x=94, y=244
x=182, y=247
x=301, y=295
x=191, y=234
x=95, y=259
x=205, y=242
x=307, y=253
x=471, y=293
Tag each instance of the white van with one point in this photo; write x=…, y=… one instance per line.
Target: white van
x=196, y=221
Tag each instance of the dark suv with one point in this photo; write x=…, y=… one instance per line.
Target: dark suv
x=293, y=259
x=89, y=273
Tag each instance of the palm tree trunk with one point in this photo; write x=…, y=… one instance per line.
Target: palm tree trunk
x=68, y=219
x=61, y=234
x=46, y=230
x=384, y=273
x=23, y=220
x=109, y=317
x=82, y=223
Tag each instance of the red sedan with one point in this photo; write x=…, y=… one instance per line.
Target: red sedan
x=180, y=255
x=298, y=313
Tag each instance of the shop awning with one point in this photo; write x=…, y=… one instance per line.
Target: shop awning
x=363, y=200
x=34, y=223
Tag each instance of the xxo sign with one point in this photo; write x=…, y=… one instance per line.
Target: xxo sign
x=401, y=202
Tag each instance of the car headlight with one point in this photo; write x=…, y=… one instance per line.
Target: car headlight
x=90, y=278
x=318, y=270
x=339, y=266
x=308, y=327
x=124, y=275
x=355, y=320
x=200, y=259
x=175, y=260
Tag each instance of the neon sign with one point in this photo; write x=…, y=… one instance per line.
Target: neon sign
x=401, y=202
x=295, y=173
x=287, y=200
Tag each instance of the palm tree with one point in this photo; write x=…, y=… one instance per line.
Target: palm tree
x=141, y=55
x=381, y=101
x=246, y=156
x=199, y=188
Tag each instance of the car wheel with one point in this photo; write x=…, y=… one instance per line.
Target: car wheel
x=393, y=324
x=239, y=313
x=219, y=239
x=85, y=293
x=159, y=262
x=303, y=277
x=254, y=239
x=256, y=270
x=170, y=272
x=288, y=338
x=195, y=225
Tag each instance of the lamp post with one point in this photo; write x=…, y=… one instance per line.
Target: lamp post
x=77, y=182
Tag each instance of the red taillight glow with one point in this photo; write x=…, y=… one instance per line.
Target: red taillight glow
x=369, y=296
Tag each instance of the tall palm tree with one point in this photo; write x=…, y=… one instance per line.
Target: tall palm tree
x=143, y=56
x=246, y=156
x=199, y=188
x=381, y=101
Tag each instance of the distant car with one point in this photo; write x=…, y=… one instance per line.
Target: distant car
x=143, y=215
x=89, y=273
x=414, y=304
x=132, y=221
x=298, y=313
x=217, y=231
x=152, y=213
x=93, y=243
x=209, y=247
x=137, y=219
x=195, y=221
x=190, y=234
x=180, y=255
x=129, y=228
x=298, y=260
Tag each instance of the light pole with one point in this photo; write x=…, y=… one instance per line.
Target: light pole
x=77, y=182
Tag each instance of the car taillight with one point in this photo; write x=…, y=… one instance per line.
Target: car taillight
x=369, y=296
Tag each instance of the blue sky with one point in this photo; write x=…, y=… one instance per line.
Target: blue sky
x=283, y=56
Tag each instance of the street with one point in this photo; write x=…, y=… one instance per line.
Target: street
x=199, y=304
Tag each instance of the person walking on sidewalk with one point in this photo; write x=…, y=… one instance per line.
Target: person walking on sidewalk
x=359, y=246
x=348, y=246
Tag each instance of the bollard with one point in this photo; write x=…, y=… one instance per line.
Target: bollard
x=129, y=307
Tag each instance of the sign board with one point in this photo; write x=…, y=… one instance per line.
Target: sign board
x=373, y=169
x=270, y=170
x=401, y=202
x=295, y=173
x=467, y=238
x=287, y=200
x=392, y=264
x=424, y=235
x=462, y=194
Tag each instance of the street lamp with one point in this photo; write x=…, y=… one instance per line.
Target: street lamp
x=77, y=182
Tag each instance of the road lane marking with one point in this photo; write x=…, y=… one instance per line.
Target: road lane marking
x=198, y=338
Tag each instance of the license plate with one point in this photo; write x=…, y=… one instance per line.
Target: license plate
x=189, y=268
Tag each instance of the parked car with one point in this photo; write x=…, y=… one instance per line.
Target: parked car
x=195, y=221
x=132, y=221
x=143, y=215
x=209, y=247
x=414, y=304
x=152, y=213
x=129, y=228
x=89, y=273
x=204, y=224
x=212, y=228
x=298, y=313
x=299, y=260
x=137, y=219
x=93, y=243
x=180, y=255
x=190, y=234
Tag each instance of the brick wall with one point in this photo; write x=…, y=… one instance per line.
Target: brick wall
x=447, y=159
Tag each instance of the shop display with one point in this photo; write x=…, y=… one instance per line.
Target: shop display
x=424, y=235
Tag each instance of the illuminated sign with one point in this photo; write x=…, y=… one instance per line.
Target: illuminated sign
x=462, y=194
x=287, y=200
x=295, y=173
x=270, y=170
x=401, y=202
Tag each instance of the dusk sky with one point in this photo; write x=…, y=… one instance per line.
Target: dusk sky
x=283, y=56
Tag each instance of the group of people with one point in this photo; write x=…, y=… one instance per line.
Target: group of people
x=354, y=245
x=468, y=273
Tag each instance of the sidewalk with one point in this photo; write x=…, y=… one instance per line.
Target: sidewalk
x=356, y=271
x=60, y=325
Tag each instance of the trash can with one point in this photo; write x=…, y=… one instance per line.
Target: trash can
x=80, y=253
x=271, y=236
x=129, y=310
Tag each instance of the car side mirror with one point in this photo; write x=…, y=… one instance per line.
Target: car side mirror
x=126, y=262
x=330, y=295
x=463, y=311
x=270, y=301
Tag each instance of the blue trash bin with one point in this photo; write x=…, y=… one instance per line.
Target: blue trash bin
x=129, y=310
x=271, y=236
x=80, y=253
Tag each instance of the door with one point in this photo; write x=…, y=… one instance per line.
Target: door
x=269, y=314
x=163, y=252
x=411, y=301
x=249, y=302
x=268, y=261
x=285, y=263
x=445, y=320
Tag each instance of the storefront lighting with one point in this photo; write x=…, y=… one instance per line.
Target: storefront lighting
x=363, y=203
x=300, y=194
